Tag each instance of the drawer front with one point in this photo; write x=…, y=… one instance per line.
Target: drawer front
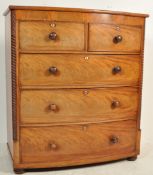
x=51, y=36
x=104, y=37
x=79, y=70
x=78, y=105
x=71, y=143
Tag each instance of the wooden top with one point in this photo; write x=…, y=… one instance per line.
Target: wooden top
x=12, y=7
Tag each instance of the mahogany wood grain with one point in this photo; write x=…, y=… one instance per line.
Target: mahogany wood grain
x=79, y=17
x=62, y=9
x=75, y=70
x=101, y=38
x=74, y=85
x=35, y=35
x=76, y=142
x=78, y=105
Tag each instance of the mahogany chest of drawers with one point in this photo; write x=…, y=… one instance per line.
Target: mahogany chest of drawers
x=74, y=81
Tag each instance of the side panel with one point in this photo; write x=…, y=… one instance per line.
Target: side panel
x=12, y=85
x=9, y=81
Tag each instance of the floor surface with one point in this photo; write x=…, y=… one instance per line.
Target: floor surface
x=142, y=166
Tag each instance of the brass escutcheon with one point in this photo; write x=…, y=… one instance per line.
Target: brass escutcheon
x=84, y=127
x=86, y=58
x=85, y=92
x=53, y=25
x=117, y=28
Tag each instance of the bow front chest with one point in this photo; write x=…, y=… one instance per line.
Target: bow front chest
x=74, y=80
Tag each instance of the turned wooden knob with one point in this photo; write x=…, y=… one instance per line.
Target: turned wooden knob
x=115, y=104
x=117, y=39
x=114, y=139
x=53, y=70
x=52, y=36
x=53, y=107
x=52, y=146
x=116, y=69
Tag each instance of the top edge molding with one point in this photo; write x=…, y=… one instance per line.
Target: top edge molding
x=43, y=8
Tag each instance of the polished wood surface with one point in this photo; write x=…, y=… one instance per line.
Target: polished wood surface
x=67, y=16
x=45, y=8
x=104, y=37
x=78, y=105
x=36, y=36
x=74, y=83
x=75, y=142
x=75, y=70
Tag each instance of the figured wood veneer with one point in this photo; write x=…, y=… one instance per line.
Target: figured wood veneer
x=79, y=69
x=101, y=38
x=75, y=142
x=35, y=36
x=78, y=105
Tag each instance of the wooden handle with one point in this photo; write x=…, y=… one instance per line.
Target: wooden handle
x=53, y=70
x=115, y=104
x=52, y=36
x=114, y=139
x=117, y=39
x=116, y=69
x=52, y=146
x=53, y=107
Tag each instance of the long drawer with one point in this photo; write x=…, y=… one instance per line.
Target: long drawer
x=74, y=143
x=79, y=70
x=78, y=105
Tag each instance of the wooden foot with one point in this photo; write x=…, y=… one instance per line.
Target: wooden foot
x=132, y=158
x=19, y=171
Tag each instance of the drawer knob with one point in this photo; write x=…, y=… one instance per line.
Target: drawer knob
x=114, y=139
x=53, y=107
x=53, y=70
x=115, y=104
x=52, y=146
x=52, y=36
x=116, y=69
x=117, y=39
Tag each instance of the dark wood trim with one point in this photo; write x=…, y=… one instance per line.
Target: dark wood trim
x=13, y=70
x=13, y=7
x=9, y=149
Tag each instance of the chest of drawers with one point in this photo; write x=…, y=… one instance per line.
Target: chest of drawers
x=74, y=81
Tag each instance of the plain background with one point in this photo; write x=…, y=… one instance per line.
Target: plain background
x=141, y=6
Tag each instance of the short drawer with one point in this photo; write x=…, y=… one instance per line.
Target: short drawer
x=74, y=143
x=79, y=70
x=78, y=105
x=106, y=37
x=42, y=35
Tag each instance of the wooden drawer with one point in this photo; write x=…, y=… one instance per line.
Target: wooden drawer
x=79, y=70
x=70, y=143
x=106, y=37
x=40, y=35
x=78, y=105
